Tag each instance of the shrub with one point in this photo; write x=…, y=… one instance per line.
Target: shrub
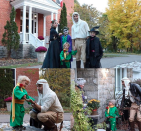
x=41, y=49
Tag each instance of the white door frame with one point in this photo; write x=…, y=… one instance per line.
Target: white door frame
x=35, y=23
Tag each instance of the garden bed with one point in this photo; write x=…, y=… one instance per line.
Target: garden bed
x=14, y=63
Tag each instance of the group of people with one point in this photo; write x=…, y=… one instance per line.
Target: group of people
x=82, y=43
x=130, y=107
x=47, y=111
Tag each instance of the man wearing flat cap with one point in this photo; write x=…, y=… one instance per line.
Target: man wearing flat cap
x=79, y=33
x=94, y=51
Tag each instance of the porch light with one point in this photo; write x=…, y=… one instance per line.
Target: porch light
x=35, y=15
x=105, y=72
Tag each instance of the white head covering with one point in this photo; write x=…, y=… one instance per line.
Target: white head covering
x=76, y=24
x=46, y=91
x=80, y=81
x=127, y=85
x=48, y=100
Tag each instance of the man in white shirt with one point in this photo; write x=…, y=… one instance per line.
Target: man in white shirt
x=133, y=91
x=48, y=105
x=79, y=33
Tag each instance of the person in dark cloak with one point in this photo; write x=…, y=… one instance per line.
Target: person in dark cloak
x=94, y=51
x=52, y=59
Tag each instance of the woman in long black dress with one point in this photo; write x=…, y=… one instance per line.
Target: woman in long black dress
x=52, y=59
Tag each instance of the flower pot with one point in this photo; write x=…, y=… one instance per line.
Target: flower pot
x=40, y=56
x=94, y=112
x=8, y=104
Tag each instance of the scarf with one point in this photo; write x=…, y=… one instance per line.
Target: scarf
x=109, y=109
x=76, y=24
x=65, y=51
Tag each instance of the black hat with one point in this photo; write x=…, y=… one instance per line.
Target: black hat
x=95, y=29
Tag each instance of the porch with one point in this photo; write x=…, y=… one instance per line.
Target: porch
x=31, y=17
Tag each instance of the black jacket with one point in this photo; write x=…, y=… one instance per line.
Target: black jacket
x=53, y=34
x=98, y=51
x=135, y=90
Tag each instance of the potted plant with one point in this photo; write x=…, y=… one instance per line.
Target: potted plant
x=8, y=103
x=40, y=53
x=40, y=37
x=94, y=104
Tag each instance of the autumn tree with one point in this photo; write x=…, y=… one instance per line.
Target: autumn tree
x=124, y=22
x=59, y=81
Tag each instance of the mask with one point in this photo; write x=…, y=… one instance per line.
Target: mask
x=65, y=31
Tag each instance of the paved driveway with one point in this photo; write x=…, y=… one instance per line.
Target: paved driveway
x=110, y=62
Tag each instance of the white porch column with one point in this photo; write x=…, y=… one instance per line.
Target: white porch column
x=125, y=72
x=44, y=32
x=30, y=23
x=30, y=19
x=51, y=16
x=56, y=18
x=120, y=78
x=24, y=24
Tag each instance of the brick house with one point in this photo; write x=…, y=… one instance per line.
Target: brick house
x=33, y=75
x=33, y=18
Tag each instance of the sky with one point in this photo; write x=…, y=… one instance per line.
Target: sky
x=98, y=4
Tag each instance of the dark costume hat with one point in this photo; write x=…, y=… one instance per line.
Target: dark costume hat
x=95, y=29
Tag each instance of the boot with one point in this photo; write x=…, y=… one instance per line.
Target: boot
x=132, y=126
x=139, y=125
x=49, y=126
x=78, y=63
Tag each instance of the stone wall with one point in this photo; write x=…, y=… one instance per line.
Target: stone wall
x=91, y=85
x=3, y=52
x=106, y=88
x=24, y=51
x=100, y=84
x=130, y=73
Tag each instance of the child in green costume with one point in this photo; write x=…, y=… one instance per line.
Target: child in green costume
x=111, y=113
x=19, y=95
x=66, y=58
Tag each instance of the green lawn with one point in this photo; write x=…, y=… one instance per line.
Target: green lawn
x=22, y=65
x=109, y=55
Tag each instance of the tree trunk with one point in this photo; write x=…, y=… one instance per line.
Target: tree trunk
x=9, y=54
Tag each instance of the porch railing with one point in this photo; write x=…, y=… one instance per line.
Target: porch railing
x=31, y=39
x=26, y=37
x=35, y=41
